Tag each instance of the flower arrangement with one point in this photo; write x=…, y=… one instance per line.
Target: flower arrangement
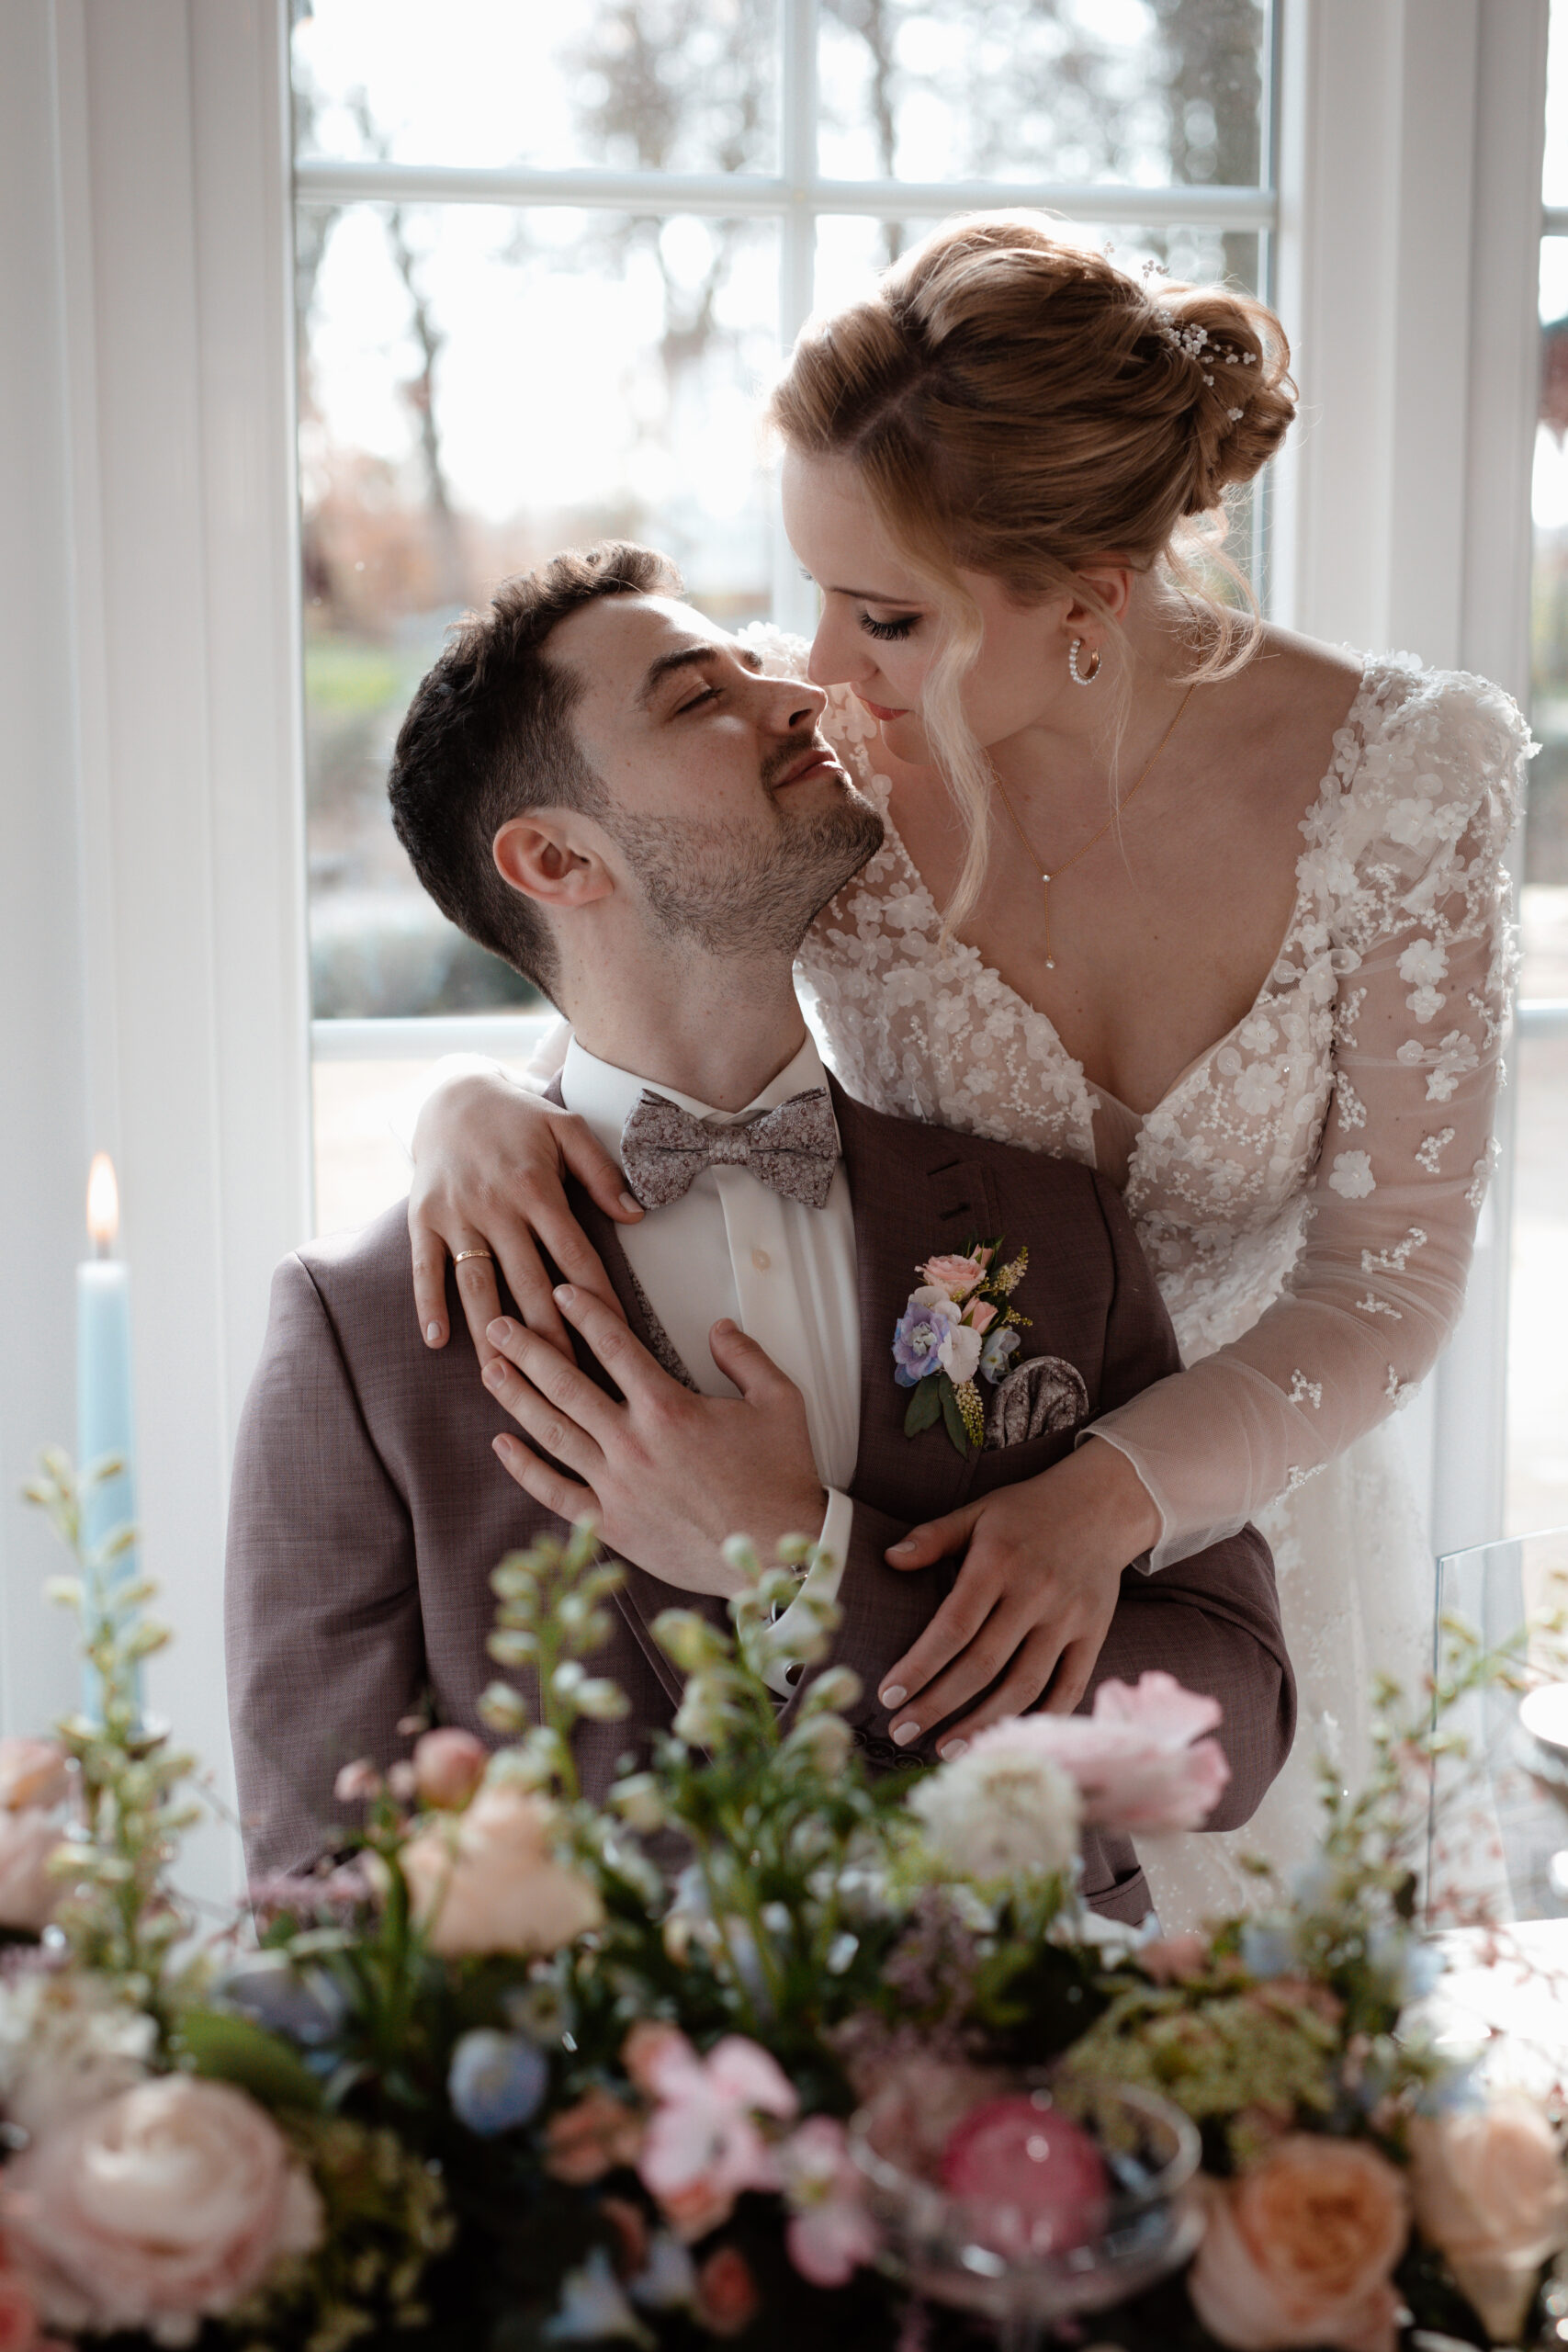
x=958, y=1327
x=524, y=2071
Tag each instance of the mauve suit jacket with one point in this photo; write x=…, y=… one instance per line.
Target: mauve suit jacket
x=368, y=1509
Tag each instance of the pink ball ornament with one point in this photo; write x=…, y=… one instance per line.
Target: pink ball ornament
x=1038, y=2175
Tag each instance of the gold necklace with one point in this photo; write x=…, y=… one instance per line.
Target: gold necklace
x=1046, y=878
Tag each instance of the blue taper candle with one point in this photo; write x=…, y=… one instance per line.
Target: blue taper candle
x=105, y=1420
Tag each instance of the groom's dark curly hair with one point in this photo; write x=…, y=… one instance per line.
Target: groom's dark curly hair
x=489, y=736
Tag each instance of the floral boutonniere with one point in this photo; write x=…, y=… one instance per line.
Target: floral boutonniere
x=959, y=1323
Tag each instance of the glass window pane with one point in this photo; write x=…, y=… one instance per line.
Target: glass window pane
x=1537, y=1371
x=1076, y=91
x=478, y=388
x=681, y=86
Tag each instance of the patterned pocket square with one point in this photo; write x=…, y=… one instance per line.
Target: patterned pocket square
x=1036, y=1399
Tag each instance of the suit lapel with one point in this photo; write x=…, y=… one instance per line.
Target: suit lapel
x=916, y=1191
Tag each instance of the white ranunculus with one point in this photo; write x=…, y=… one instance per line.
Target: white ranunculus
x=959, y=1354
x=994, y=1816
x=68, y=2041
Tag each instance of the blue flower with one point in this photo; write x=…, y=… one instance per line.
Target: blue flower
x=999, y=1350
x=918, y=1333
x=593, y=2309
x=303, y=2004
x=496, y=2081
x=1268, y=1949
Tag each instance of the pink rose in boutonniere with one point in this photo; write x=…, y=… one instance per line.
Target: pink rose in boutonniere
x=957, y=1325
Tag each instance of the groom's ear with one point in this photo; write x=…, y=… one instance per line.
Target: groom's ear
x=552, y=858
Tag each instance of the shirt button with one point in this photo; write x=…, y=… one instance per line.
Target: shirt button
x=761, y=1260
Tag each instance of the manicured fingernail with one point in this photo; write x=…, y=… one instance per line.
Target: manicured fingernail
x=630, y=1202
x=494, y=1374
x=563, y=1294
x=894, y=1695
x=725, y=1324
x=434, y=1334
x=500, y=1331
x=954, y=1748
x=905, y=1543
x=904, y=1732
x=501, y=1445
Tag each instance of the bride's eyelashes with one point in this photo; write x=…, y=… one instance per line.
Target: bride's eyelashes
x=889, y=631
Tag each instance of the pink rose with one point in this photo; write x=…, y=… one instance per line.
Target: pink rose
x=29, y=1894
x=1491, y=2195
x=487, y=1880
x=32, y=1772
x=1300, y=2250
x=956, y=1277
x=357, y=1782
x=448, y=1766
x=830, y=2234
x=979, y=1315
x=1136, y=1760
x=1175, y=1960
x=166, y=2205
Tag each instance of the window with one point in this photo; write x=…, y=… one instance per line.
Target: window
x=1538, y=1369
x=546, y=262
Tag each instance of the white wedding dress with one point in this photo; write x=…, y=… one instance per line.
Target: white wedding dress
x=1306, y=1191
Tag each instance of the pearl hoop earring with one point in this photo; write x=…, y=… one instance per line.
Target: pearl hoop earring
x=1073, y=672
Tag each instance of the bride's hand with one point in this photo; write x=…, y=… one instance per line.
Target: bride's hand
x=489, y=1164
x=1036, y=1595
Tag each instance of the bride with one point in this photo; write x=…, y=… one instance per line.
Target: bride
x=1215, y=909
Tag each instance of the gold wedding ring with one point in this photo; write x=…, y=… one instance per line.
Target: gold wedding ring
x=461, y=1254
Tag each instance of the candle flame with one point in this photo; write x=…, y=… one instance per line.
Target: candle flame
x=103, y=1201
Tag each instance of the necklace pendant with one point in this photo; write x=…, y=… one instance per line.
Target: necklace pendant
x=1050, y=963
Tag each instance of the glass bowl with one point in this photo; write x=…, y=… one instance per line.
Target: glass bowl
x=1021, y=2268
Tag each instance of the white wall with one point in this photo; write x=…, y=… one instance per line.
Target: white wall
x=158, y=883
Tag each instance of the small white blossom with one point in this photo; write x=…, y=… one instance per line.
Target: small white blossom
x=1351, y=1176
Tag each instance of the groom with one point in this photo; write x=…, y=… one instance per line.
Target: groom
x=602, y=786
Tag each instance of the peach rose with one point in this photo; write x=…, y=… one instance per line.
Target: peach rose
x=448, y=1765
x=1299, y=2250
x=18, y=2314
x=727, y=2297
x=956, y=1277
x=32, y=1772
x=162, y=2207
x=1492, y=2197
x=486, y=1879
x=28, y=1894
x=598, y=2135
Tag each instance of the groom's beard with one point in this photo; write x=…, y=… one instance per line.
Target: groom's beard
x=735, y=898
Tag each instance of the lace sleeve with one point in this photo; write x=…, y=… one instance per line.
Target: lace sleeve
x=1407, y=874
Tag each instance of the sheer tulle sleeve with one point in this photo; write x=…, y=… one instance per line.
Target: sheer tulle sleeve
x=1406, y=867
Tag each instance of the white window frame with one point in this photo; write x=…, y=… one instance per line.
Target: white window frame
x=798, y=194
x=152, y=939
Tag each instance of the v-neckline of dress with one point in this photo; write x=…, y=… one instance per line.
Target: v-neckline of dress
x=1086, y=1094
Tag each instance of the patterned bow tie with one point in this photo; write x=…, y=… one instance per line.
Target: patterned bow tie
x=793, y=1149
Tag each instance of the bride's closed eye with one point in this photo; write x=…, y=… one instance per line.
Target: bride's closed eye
x=889, y=629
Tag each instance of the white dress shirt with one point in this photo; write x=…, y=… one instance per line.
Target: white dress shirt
x=786, y=1273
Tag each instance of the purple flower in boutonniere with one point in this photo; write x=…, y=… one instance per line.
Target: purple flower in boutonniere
x=919, y=1334
x=958, y=1324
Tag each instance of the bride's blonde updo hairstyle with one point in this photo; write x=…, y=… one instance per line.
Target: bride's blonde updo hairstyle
x=1015, y=404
